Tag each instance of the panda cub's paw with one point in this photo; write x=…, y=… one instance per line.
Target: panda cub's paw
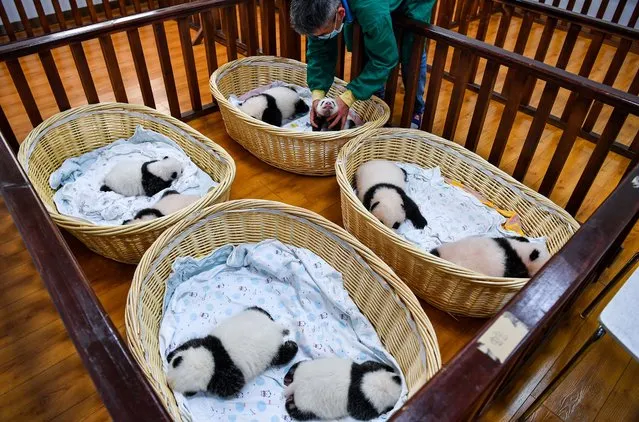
x=286, y=353
x=288, y=378
x=296, y=413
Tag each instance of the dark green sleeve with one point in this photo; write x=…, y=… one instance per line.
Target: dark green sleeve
x=381, y=52
x=321, y=57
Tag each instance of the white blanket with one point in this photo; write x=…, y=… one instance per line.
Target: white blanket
x=79, y=179
x=299, y=289
x=299, y=122
x=452, y=214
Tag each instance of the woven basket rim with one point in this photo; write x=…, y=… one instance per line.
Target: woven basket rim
x=83, y=226
x=471, y=159
x=311, y=137
x=416, y=316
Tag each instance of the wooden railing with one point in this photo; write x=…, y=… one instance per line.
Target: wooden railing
x=584, y=93
x=73, y=39
x=619, y=11
x=54, y=18
x=568, y=27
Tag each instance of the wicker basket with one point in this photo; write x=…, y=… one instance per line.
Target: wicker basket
x=307, y=153
x=83, y=129
x=401, y=323
x=445, y=285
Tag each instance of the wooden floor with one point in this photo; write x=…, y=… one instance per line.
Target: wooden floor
x=42, y=378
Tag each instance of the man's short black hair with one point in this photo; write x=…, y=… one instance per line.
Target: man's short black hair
x=307, y=16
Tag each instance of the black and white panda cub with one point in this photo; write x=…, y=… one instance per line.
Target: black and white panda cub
x=326, y=107
x=275, y=105
x=334, y=388
x=381, y=185
x=237, y=350
x=140, y=178
x=170, y=202
x=514, y=257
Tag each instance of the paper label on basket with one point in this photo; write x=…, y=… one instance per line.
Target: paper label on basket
x=499, y=341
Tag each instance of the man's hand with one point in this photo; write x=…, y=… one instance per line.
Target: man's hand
x=313, y=114
x=339, y=119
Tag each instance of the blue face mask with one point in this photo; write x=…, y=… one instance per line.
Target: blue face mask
x=332, y=34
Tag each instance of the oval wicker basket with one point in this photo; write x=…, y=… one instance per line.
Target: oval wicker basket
x=392, y=308
x=307, y=153
x=445, y=285
x=83, y=129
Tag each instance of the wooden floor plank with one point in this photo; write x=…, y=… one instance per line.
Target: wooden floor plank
x=543, y=414
x=584, y=390
x=61, y=386
x=622, y=403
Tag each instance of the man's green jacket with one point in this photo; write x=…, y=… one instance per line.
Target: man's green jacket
x=380, y=45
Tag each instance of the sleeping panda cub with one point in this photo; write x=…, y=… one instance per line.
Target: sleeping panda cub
x=334, y=388
x=139, y=178
x=380, y=185
x=514, y=257
x=326, y=107
x=170, y=202
x=275, y=105
x=237, y=350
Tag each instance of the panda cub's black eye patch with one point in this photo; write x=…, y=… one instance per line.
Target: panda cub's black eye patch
x=177, y=361
x=174, y=174
x=374, y=205
x=396, y=225
x=534, y=255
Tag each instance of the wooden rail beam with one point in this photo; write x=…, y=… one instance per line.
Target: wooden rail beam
x=46, y=42
x=119, y=380
x=460, y=388
x=548, y=73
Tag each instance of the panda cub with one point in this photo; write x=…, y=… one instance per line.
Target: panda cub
x=380, y=185
x=326, y=107
x=275, y=105
x=514, y=257
x=335, y=388
x=171, y=201
x=139, y=178
x=237, y=350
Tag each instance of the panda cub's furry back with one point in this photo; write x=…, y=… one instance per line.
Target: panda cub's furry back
x=140, y=178
x=275, y=105
x=237, y=350
x=380, y=185
x=334, y=388
x=171, y=201
x=514, y=257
